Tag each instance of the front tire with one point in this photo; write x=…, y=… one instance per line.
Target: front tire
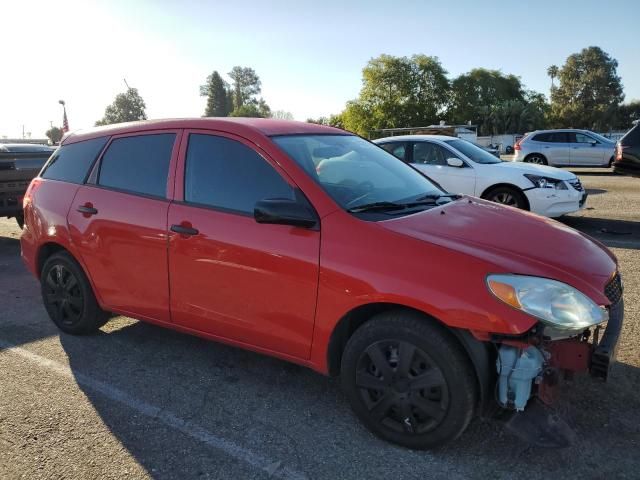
x=68, y=296
x=507, y=196
x=408, y=380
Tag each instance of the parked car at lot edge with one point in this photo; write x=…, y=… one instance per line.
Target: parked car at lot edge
x=627, y=160
x=460, y=166
x=568, y=147
x=316, y=246
x=19, y=163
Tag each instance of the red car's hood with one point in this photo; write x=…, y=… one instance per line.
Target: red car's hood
x=514, y=241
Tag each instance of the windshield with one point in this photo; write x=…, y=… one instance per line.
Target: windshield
x=472, y=152
x=355, y=172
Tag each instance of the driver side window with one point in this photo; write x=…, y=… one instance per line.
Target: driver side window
x=427, y=153
x=582, y=138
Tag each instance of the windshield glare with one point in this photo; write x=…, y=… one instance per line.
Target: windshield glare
x=355, y=172
x=472, y=152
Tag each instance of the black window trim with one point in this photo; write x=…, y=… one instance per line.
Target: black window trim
x=247, y=143
x=94, y=172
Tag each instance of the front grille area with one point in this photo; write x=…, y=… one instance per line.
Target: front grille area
x=576, y=184
x=613, y=290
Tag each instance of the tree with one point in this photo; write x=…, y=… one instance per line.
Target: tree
x=553, y=71
x=246, y=84
x=589, y=91
x=477, y=94
x=253, y=108
x=331, y=121
x=126, y=107
x=282, y=115
x=217, y=92
x=398, y=92
x=54, y=134
x=627, y=114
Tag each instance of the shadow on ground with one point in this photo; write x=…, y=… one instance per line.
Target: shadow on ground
x=613, y=233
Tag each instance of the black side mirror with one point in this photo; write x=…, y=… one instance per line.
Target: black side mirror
x=282, y=211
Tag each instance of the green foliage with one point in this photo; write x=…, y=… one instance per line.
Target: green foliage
x=253, y=108
x=331, y=121
x=553, y=72
x=397, y=91
x=589, y=91
x=54, y=134
x=246, y=85
x=627, y=114
x=217, y=92
x=126, y=107
x=476, y=95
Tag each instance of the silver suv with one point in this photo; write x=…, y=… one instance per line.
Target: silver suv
x=567, y=147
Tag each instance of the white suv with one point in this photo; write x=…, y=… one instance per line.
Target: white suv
x=461, y=167
x=575, y=148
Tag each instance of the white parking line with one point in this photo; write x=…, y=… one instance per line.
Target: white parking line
x=271, y=466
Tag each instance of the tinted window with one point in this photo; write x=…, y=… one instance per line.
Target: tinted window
x=71, y=163
x=552, y=137
x=396, y=149
x=226, y=174
x=632, y=137
x=428, y=153
x=138, y=164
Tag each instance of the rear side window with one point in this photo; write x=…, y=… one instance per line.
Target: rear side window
x=71, y=163
x=138, y=164
x=552, y=137
x=632, y=137
x=226, y=174
x=396, y=149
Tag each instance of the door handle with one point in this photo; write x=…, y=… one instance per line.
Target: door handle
x=86, y=210
x=182, y=230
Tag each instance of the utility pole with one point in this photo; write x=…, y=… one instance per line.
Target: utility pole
x=125, y=82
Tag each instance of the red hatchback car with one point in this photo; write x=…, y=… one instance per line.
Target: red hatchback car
x=316, y=246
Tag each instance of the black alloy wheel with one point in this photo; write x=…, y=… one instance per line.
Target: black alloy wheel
x=402, y=387
x=408, y=380
x=62, y=296
x=68, y=297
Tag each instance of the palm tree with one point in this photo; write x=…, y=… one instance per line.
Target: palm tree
x=553, y=71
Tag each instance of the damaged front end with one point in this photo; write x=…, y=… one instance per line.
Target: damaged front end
x=531, y=367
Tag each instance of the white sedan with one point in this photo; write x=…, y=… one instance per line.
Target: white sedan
x=461, y=167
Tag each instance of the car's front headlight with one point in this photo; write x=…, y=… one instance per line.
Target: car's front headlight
x=554, y=303
x=540, y=181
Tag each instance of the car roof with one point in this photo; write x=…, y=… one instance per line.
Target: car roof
x=408, y=138
x=25, y=147
x=238, y=125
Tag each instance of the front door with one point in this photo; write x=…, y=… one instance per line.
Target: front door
x=586, y=150
x=118, y=222
x=431, y=159
x=231, y=276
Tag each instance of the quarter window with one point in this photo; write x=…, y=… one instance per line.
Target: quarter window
x=138, y=164
x=396, y=149
x=226, y=174
x=71, y=163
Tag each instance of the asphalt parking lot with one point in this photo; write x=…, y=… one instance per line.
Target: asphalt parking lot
x=138, y=401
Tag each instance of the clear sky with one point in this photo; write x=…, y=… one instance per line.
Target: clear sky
x=308, y=54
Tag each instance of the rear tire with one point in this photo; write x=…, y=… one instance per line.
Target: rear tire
x=507, y=196
x=68, y=297
x=408, y=380
x=536, y=158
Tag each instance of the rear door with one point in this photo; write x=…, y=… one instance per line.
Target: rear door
x=118, y=222
x=556, y=147
x=431, y=158
x=586, y=150
x=231, y=276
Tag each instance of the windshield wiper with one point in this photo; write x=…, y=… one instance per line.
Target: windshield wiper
x=436, y=196
x=375, y=206
x=389, y=206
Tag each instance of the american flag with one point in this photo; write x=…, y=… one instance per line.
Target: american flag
x=65, y=122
